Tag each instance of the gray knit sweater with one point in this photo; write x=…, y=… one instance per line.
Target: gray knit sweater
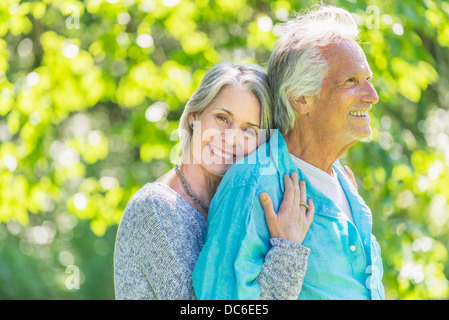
x=158, y=243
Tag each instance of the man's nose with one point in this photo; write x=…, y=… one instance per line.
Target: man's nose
x=370, y=95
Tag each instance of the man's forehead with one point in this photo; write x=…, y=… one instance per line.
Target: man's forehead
x=345, y=57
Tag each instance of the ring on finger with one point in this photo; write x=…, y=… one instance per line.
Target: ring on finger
x=305, y=206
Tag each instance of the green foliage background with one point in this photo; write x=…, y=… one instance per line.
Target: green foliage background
x=90, y=96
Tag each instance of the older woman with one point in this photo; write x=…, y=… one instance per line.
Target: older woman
x=162, y=229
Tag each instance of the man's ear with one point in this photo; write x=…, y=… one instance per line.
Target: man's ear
x=301, y=104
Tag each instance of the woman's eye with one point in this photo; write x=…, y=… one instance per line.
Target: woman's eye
x=222, y=118
x=250, y=132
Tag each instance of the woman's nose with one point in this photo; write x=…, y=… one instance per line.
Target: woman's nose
x=230, y=139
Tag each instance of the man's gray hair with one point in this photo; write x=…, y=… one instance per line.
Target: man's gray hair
x=249, y=76
x=297, y=67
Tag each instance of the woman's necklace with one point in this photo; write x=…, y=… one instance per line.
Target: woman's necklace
x=192, y=195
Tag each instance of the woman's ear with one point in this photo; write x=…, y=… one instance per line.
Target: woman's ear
x=192, y=117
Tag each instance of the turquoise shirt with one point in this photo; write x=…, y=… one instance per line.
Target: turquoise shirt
x=344, y=261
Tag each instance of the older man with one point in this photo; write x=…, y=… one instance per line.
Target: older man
x=323, y=95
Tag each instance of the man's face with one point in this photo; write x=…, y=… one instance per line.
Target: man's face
x=342, y=107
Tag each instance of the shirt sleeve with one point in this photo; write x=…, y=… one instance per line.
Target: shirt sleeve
x=239, y=261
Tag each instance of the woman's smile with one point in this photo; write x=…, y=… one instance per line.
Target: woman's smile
x=219, y=153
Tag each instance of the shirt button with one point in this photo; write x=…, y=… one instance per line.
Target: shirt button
x=352, y=248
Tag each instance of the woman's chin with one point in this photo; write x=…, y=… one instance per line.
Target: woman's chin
x=217, y=169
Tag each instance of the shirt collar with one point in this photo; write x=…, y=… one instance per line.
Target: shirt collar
x=280, y=156
x=284, y=164
x=360, y=211
x=315, y=172
x=282, y=161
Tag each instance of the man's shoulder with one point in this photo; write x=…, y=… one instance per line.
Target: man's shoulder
x=258, y=167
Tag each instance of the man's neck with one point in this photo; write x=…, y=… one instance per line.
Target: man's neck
x=320, y=151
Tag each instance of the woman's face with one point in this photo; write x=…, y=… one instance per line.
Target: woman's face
x=227, y=130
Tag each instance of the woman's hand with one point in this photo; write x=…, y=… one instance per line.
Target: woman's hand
x=293, y=220
x=351, y=177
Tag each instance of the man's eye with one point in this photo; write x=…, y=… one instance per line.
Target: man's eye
x=351, y=81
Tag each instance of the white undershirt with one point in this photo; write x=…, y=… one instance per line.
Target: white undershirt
x=327, y=184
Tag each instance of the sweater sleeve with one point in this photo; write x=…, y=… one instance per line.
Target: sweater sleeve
x=283, y=270
x=147, y=264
